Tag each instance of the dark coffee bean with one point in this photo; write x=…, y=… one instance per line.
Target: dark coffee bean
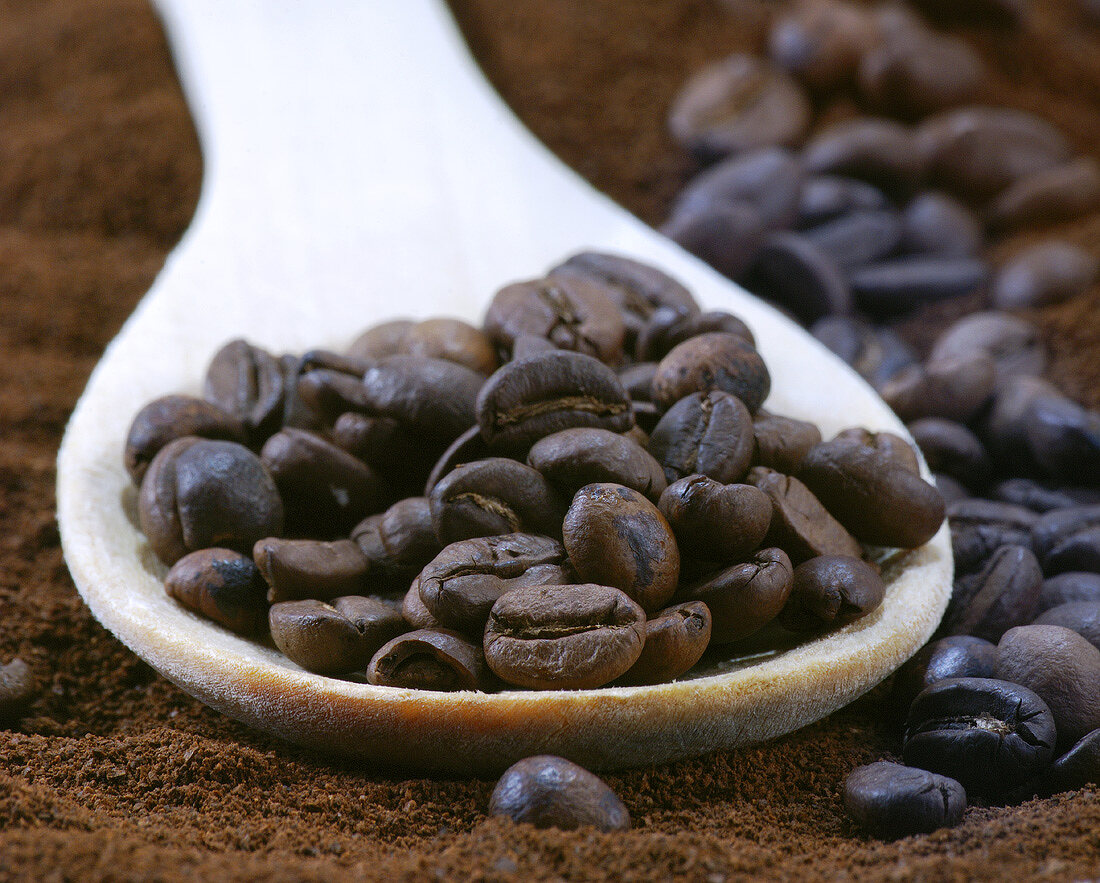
x=1068, y=539
x=955, y=389
x=1002, y=595
x=950, y=489
x=572, y=458
x=338, y=637
x=1082, y=617
x=465, y=448
x=1069, y=587
x=429, y=659
x=745, y=597
x=533, y=397
x=714, y=521
x=782, y=442
x=889, y=444
x=491, y=497
x=400, y=541
x=800, y=525
x=552, y=792
x=824, y=197
x=997, y=13
x=876, y=150
x=1044, y=274
x=737, y=104
x=1005, y=427
x=821, y=43
x=325, y=489
x=903, y=284
x=878, y=354
x=912, y=78
x=378, y=441
x=170, y=417
x=646, y=417
x=432, y=397
x=1078, y=767
x=956, y=656
x=1061, y=193
x=1013, y=343
x=874, y=498
x=451, y=339
x=415, y=613
x=675, y=639
x=327, y=393
x=831, y=591
x=1041, y=497
x=382, y=340
x=952, y=448
x=890, y=800
x=224, y=586
x=713, y=361
x=529, y=345
x=666, y=330
x=727, y=236
x=858, y=238
x=937, y=224
x=637, y=379
x=18, y=687
x=563, y=637
x=460, y=585
x=1062, y=667
x=616, y=537
x=198, y=494
x=988, y=734
x=248, y=383
x=706, y=433
x=297, y=569
x=980, y=527
x=798, y=275
x=1064, y=439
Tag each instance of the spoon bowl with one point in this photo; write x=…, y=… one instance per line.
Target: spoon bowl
x=359, y=168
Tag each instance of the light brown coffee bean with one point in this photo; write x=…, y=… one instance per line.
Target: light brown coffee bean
x=429, y=659
x=891, y=445
x=745, y=597
x=572, y=458
x=713, y=361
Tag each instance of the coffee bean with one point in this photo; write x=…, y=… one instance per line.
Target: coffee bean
x=224, y=586
x=879, y=151
x=552, y=792
x=18, y=687
x=952, y=448
x=988, y=734
x=824, y=197
x=911, y=78
x=791, y=270
x=453, y=340
x=414, y=612
x=938, y=224
x=1082, y=617
x=713, y=361
x=1078, y=767
x=800, y=525
x=563, y=637
x=297, y=569
x=429, y=659
x=675, y=639
x=902, y=284
x=980, y=527
x=1044, y=274
x=248, y=383
x=890, y=800
x=572, y=458
x=727, y=236
x=955, y=389
x=745, y=597
x=637, y=380
x=327, y=393
x=996, y=13
x=1068, y=588
x=431, y=397
x=1013, y=343
x=533, y=397
x=1068, y=539
x=170, y=417
x=400, y=541
x=858, y=238
x=1005, y=430
x=1062, y=193
x=830, y=591
x=714, y=521
x=616, y=537
x=197, y=494
x=338, y=637
x=529, y=345
x=1064, y=439
x=737, y=104
x=890, y=445
x=380, y=442
x=1002, y=595
x=465, y=448
x=821, y=43
x=1062, y=667
x=460, y=585
x=1041, y=497
x=706, y=433
x=382, y=340
x=666, y=330
x=878, y=354
x=956, y=656
x=950, y=489
x=782, y=442
x=878, y=501
x=493, y=496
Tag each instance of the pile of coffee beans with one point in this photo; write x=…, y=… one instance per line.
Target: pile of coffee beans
x=584, y=491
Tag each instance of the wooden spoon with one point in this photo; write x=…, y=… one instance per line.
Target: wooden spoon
x=358, y=168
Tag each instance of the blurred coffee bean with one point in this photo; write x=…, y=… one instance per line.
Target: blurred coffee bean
x=743, y=598
x=296, y=569
x=1005, y=427
x=432, y=397
x=824, y=197
x=1061, y=193
x=530, y=345
x=675, y=639
x=902, y=284
x=714, y=521
x=248, y=383
x=170, y=417
x=876, y=150
x=222, y=585
x=830, y=591
x=725, y=235
x=708, y=362
x=821, y=42
x=1003, y=594
x=666, y=330
x=737, y=104
x=980, y=527
x=1082, y=617
x=952, y=448
x=950, y=489
x=552, y=792
x=858, y=238
x=378, y=441
x=954, y=389
x=707, y=433
x=429, y=659
x=792, y=271
x=956, y=656
x=781, y=443
x=381, y=340
x=1068, y=539
x=1041, y=497
x=892, y=446
x=997, y=13
x=1064, y=439
x=938, y=224
x=637, y=380
x=1012, y=342
x=453, y=340
x=1069, y=588
x=890, y=800
x=18, y=688
x=1044, y=274
x=911, y=78
x=335, y=638
x=876, y=353
x=573, y=458
x=400, y=541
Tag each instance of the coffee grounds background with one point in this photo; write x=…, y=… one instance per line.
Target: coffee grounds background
x=117, y=775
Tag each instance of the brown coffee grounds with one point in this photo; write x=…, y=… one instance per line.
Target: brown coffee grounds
x=117, y=775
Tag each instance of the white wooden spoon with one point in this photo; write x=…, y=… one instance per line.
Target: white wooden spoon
x=359, y=168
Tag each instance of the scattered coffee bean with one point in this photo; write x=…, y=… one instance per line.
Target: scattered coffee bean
x=728, y=236
x=821, y=43
x=890, y=800
x=1047, y=273
x=878, y=354
x=911, y=78
x=18, y=687
x=299, y=569
x=165, y=419
x=1005, y=430
x=950, y=489
x=951, y=448
x=830, y=591
x=858, y=238
x=745, y=597
x=1064, y=439
x=675, y=639
x=791, y=270
x=938, y=224
x=1068, y=539
x=712, y=361
x=224, y=586
x=429, y=659
x=900, y=285
x=1040, y=497
x=980, y=527
x=801, y=526
x=1069, y=587
x=572, y=458
x=1013, y=343
x=1002, y=595
x=824, y=197
x=337, y=637
x=1082, y=617
x=955, y=389
x=552, y=792
x=956, y=656
x=878, y=151
x=1061, y=193
x=710, y=434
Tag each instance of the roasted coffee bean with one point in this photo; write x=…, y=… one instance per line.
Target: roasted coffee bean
x=1013, y=343
x=616, y=537
x=328, y=393
x=378, y=441
x=666, y=330
x=572, y=458
x=889, y=444
x=1082, y=617
x=911, y=78
x=955, y=389
x=465, y=448
x=800, y=525
x=952, y=448
x=493, y=496
x=1064, y=439
x=432, y=397
x=429, y=659
x=956, y=656
x=950, y=489
x=1061, y=193
x=980, y=527
x=938, y=224
x=824, y=197
x=338, y=637
x=563, y=637
x=1040, y=497
x=858, y=238
x=1061, y=667
x=878, y=354
x=712, y=361
x=745, y=597
x=831, y=591
x=18, y=687
x=637, y=379
x=533, y=397
x=727, y=236
x=415, y=613
x=1069, y=587
x=879, y=151
x=572, y=312
x=1005, y=426
x=769, y=180
x=782, y=442
x=382, y=340
x=1068, y=539
x=460, y=585
x=990, y=735
x=821, y=43
x=170, y=417
x=552, y=792
x=710, y=434
x=399, y=541
x=197, y=494
x=794, y=272
x=1044, y=274
x=890, y=800
x=902, y=284
x=878, y=501
x=675, y=639
x=297, y=569
x=325, y=489
x=714, y=521
x=248, y=383
x=451, y=339
x=224, y=586
x=737, y=104
x=1078, y=767
x=529, y=345
x=1002, y=595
